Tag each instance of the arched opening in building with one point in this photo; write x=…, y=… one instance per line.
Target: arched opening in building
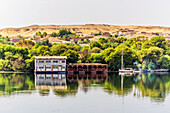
x=90, y=68
x=74, y=68
x=85, y=67
x=70, y=68
x=80, y=68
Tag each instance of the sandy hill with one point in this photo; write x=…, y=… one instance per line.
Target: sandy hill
x=81, y=29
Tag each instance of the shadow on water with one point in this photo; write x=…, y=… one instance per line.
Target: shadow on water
x=153, y=85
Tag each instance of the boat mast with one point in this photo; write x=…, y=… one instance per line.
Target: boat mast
x=122, y=57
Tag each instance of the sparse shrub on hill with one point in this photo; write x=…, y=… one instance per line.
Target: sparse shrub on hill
x=38, y=34
x=63, y=32
x=54, y=34
x=44, y=34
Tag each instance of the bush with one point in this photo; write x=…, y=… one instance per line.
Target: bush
x=54, y=34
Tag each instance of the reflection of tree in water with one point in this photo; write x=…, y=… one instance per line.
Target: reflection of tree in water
x=90, y=83
x=44, y=92
x=10, y=83
x=155, y=86
x=110, y=84
x=113, y=85
x=72, y=89
x=84, y=81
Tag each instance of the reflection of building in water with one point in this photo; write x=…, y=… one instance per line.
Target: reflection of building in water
x=56, y=81
x=50, y=64
x=89, y=77
x=87, y=80
x=54, y=84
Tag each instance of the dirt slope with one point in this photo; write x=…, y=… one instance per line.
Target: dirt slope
x=84, y=29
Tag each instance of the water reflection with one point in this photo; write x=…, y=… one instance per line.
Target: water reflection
x=85, y=81
x=16, y=84
x=153, y=85
x=45, y=82
x=119, y=85
x=86, y=77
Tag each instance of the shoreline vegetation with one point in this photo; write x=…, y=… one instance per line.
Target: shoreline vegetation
x=139, y=52
x=15, y=72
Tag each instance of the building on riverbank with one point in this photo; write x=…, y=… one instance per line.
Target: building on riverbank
x=50, y=64
x=87, y=68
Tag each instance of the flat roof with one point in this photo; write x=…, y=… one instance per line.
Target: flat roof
x=86, y=64
x=50, y=57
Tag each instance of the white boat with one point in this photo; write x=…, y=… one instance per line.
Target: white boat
x=125, y=70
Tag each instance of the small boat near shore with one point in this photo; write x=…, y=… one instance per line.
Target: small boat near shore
x=126, y=70
x=123, y=70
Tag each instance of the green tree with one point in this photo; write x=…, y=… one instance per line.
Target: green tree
x=95, y=44
x=102, y=40
x=47, y=53
x=72, y=56
x=96, y=58
x=84, y=55
x=8, y=56
x=63, y=32
x=121, y=39
x=19, y=64
x=114, y=59
x=29, y=64
x=1, y=52
x=152, y=54
x=44, y=34
x=107, y=51
x=146, y=45
x=106, y=45
x=5, y=65
x=95, y=50
x=56, y=50
x=53, y=34
x=38, y=34
x=151, y=66
x=158, y=41
x=42, y=49
x=46, y=43
x=164, y=62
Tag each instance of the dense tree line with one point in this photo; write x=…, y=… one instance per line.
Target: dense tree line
x=138, y=52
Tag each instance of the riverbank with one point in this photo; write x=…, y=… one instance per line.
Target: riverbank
x=15, y=72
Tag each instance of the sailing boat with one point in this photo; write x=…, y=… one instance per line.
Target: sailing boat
x=125, y=70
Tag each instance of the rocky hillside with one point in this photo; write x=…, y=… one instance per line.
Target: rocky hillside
x=84, y=29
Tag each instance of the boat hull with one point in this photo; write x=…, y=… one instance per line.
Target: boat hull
x=126, y=71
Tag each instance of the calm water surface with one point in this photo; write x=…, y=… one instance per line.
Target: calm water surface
x=27, y=93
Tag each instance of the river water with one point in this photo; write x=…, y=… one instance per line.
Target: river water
x=112, y=93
